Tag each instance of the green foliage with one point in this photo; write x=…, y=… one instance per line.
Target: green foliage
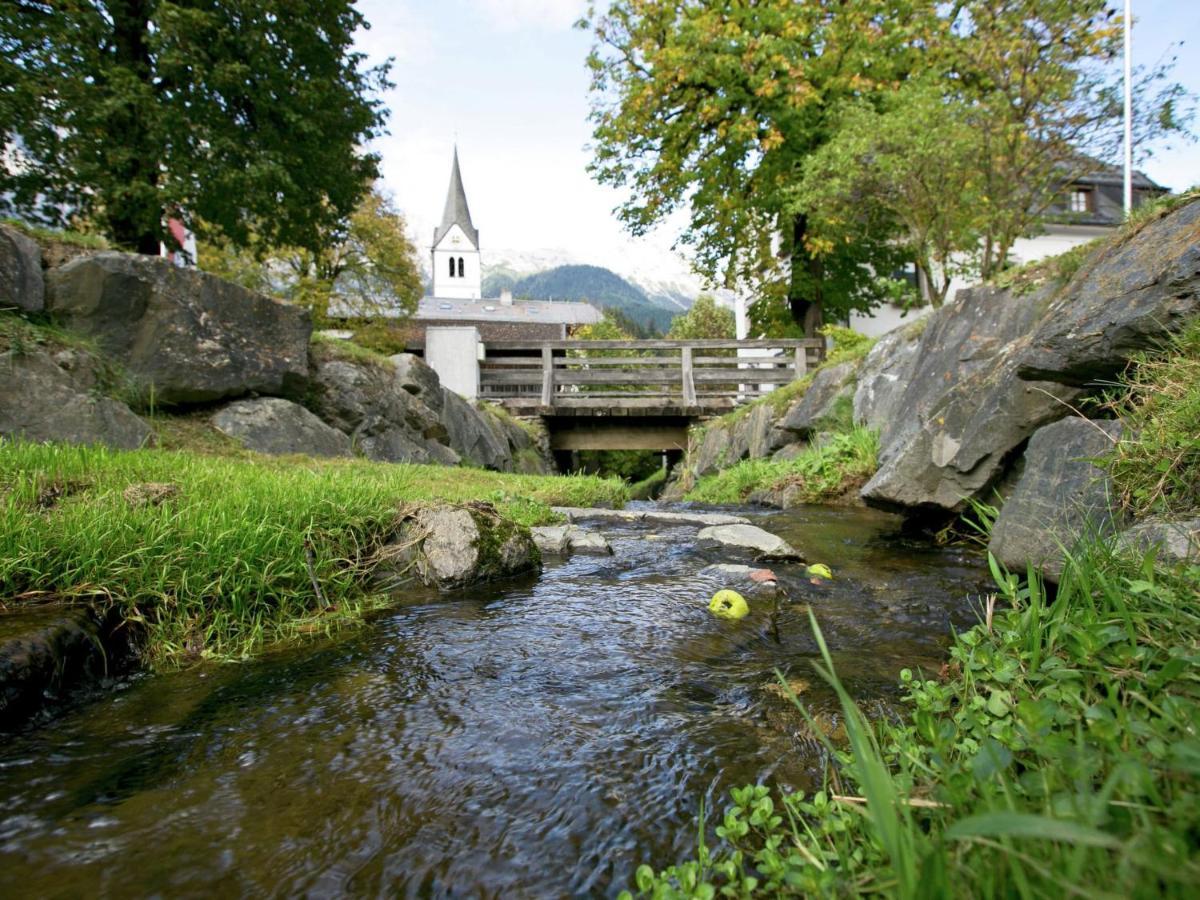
x=628, y=465
x=848, y=344
x=364, y=269
x=704, y=320
x=221, y=568
x=822, y=472
x=246, y=117
x=1056, y=753
x=44, y=235
x=1156, y=466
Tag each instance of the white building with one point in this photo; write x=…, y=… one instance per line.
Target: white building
x=1087, y=208
x=457, y=270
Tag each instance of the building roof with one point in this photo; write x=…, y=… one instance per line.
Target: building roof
x=456, y=212
x=1101, y=173
x=550, y=311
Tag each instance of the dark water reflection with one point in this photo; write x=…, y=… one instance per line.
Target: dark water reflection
x=536, y=740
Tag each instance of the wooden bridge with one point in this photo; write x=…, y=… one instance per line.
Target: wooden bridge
x=609, y=395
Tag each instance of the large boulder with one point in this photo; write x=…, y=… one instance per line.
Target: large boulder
x=472, y=434
x=830, y=385
x=21, y=284
x=964, y=410
x=366, y=400
x=277, y=426
x=1060, y=497
x=884, y=374
x=1125, y=299
x=188, y=336
x=53, y=397
x=450, y=547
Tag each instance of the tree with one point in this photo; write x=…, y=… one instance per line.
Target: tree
x=968, y=157
x=365, y=268
x=712, y=107
x=243, y=115
x=704, y=320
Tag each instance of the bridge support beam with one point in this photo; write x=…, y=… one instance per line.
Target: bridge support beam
x=617, y=433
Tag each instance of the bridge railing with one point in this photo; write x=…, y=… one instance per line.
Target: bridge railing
x=688, y=373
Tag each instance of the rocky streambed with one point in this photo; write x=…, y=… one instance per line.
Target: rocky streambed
x=537, y=736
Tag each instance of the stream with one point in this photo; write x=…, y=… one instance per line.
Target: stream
x=535, y=738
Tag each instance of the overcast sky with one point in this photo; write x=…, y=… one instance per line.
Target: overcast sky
x=506, y=78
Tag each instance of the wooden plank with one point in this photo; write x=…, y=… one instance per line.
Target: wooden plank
x=801, y=363
x=736, y=376
x=547, y=376
x=706, y=344
x=562, y=361
x=688, y=382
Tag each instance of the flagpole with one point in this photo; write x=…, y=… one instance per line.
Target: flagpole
x=1128, y=109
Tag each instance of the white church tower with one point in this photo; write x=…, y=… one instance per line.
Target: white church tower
x=457, y=271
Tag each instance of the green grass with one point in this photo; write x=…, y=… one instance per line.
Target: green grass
x=1156, y=466
x=820, y=474
x=327, y=347
x=220, y=569
x=45, y=235
x=648, y=487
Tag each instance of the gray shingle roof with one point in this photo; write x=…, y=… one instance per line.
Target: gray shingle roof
x=552, y=311
x=456, y=211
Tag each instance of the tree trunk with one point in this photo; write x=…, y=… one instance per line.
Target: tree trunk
x=133, y=209
x=804, y=295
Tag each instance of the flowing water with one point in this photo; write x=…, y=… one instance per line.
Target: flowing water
x=538, y=738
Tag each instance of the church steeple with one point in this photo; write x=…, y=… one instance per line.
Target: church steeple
x=456, y=212
x=457, y=267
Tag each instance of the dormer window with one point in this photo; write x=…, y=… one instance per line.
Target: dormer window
x=1079, y=200
x=452, y=267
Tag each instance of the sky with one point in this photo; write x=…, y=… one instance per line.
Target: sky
x=506, y=80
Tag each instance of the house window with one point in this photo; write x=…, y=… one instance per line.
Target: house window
x=460, y=268
x=452, y=267
x=1080, y=200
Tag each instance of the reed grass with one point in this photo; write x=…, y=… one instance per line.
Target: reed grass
x=221, y=568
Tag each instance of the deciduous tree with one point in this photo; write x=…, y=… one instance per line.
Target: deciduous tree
x=246, y=115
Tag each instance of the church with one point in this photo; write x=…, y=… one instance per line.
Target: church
x=456, y=298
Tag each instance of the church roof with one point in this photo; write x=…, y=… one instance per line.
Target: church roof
x=562, y=312
x=456, y=212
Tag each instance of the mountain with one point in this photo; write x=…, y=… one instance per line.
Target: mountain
x=603, y=288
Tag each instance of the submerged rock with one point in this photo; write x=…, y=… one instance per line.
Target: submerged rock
x=1060, y=498
x=276, y=426
x=750, y=537
x=450, y=547
x=662, y=517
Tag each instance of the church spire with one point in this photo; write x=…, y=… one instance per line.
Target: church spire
x=456, y=211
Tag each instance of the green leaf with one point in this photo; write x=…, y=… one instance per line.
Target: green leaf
x=1027, y=825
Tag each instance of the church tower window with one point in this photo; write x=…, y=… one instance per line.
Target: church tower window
x=452, y=267
x=461, y=270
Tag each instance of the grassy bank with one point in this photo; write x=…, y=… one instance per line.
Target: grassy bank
x=216, y=564
x=821, y=473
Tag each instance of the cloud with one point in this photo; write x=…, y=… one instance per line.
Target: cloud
x=549, y=15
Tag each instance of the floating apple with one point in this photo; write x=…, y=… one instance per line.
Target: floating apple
x=728, y=605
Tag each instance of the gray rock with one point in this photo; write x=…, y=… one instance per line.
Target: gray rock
x=884, y=375
x=1175, y=542
x=710, y=455
x=21, y=284
x=1126, y=299
x=582, y=541
x=829, y=386
x=419, y=379
x=790, y=451
x=750, y=537
x=366, y=401
x=449, y=547
x=52, y=398
x=190, y=336
x=551, y=539
x=964, y=410
x=1060, y=497
x=277, y=426
x=472, y=435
